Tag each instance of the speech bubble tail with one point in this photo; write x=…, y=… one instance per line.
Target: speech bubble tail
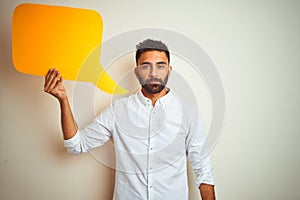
x=107, y=84
x=92, y=71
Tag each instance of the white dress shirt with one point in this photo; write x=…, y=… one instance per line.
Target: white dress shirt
x=151, y=146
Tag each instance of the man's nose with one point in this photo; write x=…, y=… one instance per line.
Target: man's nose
x=153, y=71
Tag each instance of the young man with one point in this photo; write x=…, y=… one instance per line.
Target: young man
x=152, y=130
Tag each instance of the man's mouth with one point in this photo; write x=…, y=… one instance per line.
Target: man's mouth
x=154, y=81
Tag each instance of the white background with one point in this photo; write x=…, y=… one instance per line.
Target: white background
x=255, y=46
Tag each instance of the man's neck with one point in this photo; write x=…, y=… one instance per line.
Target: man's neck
x=156, y=96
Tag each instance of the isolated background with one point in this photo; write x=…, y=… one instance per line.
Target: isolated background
x=255, y=46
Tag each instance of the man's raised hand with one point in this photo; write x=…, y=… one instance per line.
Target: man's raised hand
x=53, y=84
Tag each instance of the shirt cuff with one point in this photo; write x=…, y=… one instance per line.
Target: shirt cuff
x=73, y=141
x=207, y=179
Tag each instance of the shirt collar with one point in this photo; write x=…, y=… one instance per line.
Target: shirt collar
x=162, y=101
x=144, y=99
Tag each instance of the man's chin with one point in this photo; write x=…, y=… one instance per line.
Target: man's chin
x=153, y=88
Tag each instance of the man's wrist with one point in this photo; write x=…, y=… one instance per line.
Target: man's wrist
x=207, y=191
x=63, y=100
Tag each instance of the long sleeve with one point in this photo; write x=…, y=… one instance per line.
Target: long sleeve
x=93, y=135
x=198, y=154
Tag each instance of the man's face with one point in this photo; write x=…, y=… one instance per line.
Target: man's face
x=153, y=71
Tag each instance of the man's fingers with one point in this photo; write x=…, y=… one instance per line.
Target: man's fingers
x=51, y=80
x=61, y=79
x=47, y=75
x=54, y=80
x=48, y=79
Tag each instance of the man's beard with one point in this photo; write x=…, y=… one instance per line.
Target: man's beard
x=154, y=88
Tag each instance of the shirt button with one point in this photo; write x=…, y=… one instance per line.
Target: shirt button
x=151, y=148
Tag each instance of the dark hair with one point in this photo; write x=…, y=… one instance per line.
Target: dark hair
x=151, y=45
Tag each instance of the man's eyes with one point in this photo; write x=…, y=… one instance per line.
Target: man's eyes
x=159, y=66
x=145, y=67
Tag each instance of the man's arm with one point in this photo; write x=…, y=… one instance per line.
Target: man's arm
x=207, y=192
x=53, y=85
x=199, y=157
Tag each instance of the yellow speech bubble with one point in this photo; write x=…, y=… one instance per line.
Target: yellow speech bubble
x=68, y=39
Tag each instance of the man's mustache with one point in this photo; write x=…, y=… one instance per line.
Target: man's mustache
x=154, y=80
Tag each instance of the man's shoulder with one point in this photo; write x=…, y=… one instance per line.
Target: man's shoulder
x=124, y=99
x=189, y=107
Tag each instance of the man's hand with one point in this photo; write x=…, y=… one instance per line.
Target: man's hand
x=53, y=84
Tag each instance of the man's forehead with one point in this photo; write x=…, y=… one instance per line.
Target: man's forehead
x=153, y=56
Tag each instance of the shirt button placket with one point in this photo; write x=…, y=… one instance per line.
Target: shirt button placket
x=150, y=153
x=150, y=168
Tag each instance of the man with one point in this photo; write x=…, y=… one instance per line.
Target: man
x=153, y=133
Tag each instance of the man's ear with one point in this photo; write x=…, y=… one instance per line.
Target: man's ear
x=136, y=73
x=170, y=70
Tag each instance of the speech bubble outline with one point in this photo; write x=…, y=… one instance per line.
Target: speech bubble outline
x=46, y=36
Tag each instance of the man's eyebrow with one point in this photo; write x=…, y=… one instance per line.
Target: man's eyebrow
x=143, y=63
x=160, y=62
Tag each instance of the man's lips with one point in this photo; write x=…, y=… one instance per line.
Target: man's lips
x=154, y=83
